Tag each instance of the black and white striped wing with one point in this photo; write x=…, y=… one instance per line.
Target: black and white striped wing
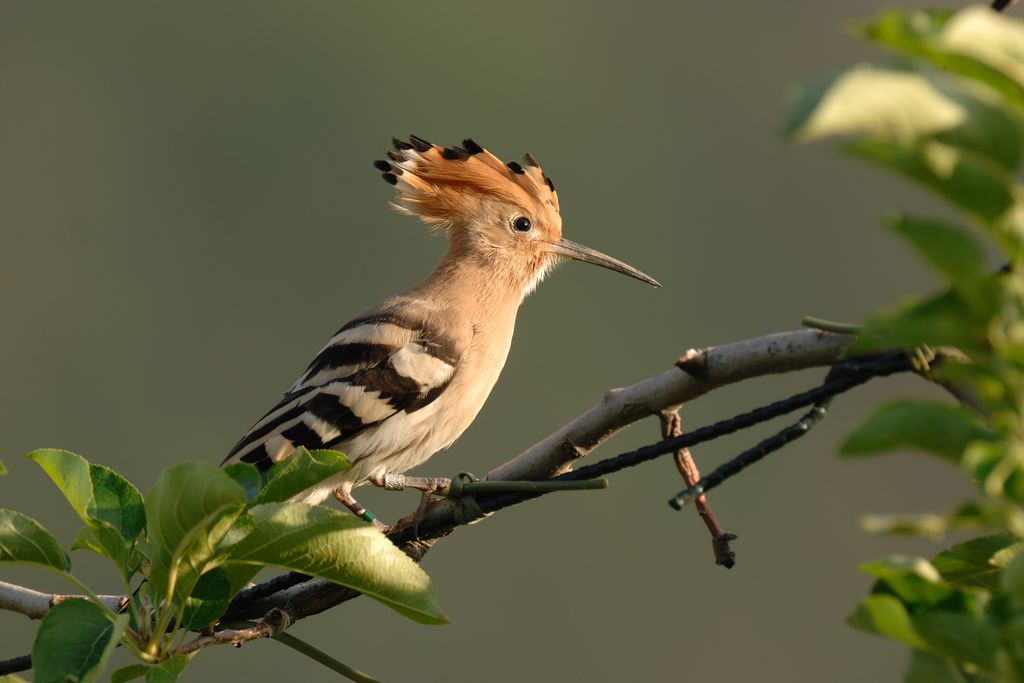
x=372, y=369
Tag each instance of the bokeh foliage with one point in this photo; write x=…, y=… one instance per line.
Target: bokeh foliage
x=948, y=114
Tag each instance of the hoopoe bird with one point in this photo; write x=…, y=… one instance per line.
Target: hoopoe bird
x=405, y=378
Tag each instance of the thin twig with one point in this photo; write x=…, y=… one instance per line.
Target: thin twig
x=318, y=655
x=838, y=379
x=672, y=426
x=750, y=456
x=273, y=624
x=15, y=664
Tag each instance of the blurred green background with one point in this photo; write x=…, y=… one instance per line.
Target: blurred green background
x=188, y=211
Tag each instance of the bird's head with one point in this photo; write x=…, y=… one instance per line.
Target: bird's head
x=503, y=213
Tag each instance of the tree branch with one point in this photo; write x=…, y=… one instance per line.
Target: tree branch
x=273, y=624
x=35, y=605
x=694, y=374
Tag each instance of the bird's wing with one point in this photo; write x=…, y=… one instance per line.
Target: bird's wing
x=395, y=360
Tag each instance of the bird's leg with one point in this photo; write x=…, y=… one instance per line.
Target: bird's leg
x=344, y=496
x=399, y=482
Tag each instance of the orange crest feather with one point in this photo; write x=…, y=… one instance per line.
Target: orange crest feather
x=443, y=185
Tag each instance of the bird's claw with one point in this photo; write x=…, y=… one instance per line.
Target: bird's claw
x=428, y=485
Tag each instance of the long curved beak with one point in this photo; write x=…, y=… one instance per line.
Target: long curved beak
x=579, y=252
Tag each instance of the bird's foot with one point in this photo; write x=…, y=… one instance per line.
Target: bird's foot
x=344, y=496
x=428, y=485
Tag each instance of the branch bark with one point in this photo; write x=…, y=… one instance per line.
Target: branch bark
x=694, y=375
x=34, y=604
x=273, y=624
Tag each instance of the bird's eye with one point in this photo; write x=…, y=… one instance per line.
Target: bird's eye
x=522, y=224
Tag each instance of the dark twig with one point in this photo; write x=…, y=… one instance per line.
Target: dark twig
x=888, y=364
x=1003, y=5
x=271, y=586
x=839, y=377
x=671, y=426
x=751, y=456
x=15, y=664
x=856, y=372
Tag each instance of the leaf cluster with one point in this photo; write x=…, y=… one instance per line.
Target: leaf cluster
x=947, y=113
x=186, y=549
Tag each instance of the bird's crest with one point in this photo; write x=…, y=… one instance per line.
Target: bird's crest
x=443, y=184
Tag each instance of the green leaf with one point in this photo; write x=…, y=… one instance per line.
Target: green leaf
x=23, y=539
x=238, y=575
x=936, y=428
x=981, y=189
x=13, y=678
x=190, y=509
x=967, y=516
x=168, y=671
x=886, y=616
x=209, y=599
x=75, y=641
x=888, y=104
x=86, y=540
x=942, y=320
x=107, y=503
x=948, y=248
x=991, y=38
x=989, y=133
x=977, y=562
x=247, y=476
x=996, y=467
x=919, y=33
x=911, y=579
x=927, y=668
x=926, y=525
x=964, y=637
x=94, y=491
x=912, y=603
x=300, y=471
x=198, y=550
x=104, y=539
x=339, y=547
x=1012, y=579
x=3, y=468
x=903, y=29
x=129, y=673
